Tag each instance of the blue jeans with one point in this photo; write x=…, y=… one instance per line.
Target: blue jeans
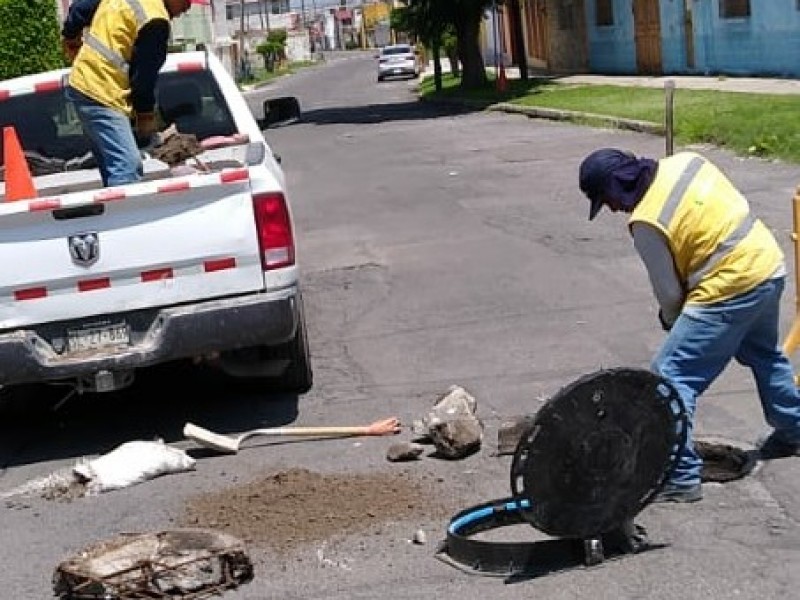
x=702, y=342
x=111, y=138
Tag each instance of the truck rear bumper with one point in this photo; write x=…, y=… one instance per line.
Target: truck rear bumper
x=29, y=356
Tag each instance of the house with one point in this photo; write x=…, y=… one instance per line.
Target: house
x=653, y=37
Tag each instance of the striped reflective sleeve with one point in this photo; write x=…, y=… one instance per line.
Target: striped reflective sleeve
x=115, y=59
x=138, y=11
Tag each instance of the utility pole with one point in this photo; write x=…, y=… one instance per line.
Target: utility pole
x=241, y=39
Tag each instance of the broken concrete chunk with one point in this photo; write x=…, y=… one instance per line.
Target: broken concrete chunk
x=457, y=438
x=403, y=451
x=457, y=401
x=510, y=433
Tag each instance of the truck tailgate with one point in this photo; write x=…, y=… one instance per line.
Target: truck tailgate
x=132, y=247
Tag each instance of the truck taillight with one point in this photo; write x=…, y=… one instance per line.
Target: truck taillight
x=275, y=238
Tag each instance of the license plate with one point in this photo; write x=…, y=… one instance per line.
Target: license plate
x=93, y=338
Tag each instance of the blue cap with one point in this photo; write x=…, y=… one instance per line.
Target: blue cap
x=594, y=171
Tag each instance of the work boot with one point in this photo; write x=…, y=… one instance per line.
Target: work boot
x=679, y=493
x=774, y=447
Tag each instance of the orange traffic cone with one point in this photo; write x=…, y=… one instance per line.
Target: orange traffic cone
x=19, y=183
x=502, y=83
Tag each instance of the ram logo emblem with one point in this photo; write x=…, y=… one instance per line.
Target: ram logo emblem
x=84, y=248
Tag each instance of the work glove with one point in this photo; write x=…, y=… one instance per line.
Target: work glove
x=666, y=326
x=145, y=129
x=70, y=48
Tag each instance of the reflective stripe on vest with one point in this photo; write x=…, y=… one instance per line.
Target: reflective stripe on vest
x=725, y=247
x=115, y=58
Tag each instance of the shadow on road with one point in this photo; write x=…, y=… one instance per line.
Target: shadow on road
x=381, y=113
x=37, y=424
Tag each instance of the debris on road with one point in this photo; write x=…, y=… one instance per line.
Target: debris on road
x=128, y=464
x=131, y=463
x=457, y=438
x=452, y=425
x=180, y=563
x=404, y=451
x=510, y=432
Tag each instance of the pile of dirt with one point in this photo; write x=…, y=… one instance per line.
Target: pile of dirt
x=292, y=508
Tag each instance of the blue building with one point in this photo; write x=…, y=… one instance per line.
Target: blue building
x=659, y=37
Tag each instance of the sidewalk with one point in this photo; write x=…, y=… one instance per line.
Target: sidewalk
x=752, y=85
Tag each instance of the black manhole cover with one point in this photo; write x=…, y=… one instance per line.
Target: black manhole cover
x=724, y=462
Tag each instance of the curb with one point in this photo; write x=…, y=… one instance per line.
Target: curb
x=554, y=114
x=577, y=116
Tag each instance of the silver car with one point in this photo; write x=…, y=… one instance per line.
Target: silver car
x=397, y=60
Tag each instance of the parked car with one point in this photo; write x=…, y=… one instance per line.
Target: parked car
x=397, y=60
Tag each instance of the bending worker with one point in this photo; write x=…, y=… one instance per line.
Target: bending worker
x=115, y=65
x=717, y=273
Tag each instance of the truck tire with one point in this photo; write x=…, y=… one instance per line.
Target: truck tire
x=298, y=376
x=285, y=368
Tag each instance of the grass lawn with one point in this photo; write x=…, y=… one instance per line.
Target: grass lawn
x=765, y=125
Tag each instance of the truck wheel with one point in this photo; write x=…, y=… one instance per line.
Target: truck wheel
x=285, y=368
x=298, y=376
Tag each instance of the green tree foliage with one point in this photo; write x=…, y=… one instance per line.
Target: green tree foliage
x=31, y=38
x=273, y=48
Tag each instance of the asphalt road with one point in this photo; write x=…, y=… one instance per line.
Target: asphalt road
x=437, y=248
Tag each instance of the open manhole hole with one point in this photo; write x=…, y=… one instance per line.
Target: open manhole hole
x=723, y=462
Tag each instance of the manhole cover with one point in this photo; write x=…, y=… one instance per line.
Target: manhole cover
x=724, y=462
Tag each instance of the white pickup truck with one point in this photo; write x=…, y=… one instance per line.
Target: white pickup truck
x=196, y=262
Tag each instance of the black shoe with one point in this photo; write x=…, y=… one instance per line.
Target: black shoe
x=774, y=447
x=679, y=493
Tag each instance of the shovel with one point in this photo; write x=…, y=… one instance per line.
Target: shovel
x=230, y=445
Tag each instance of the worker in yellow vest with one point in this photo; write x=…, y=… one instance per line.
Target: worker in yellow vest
x=117, y=48
x=717, y=273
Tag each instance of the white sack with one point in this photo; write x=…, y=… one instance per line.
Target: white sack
x=131, y=463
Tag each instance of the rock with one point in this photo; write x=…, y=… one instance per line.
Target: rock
x=457, y=438
x=510, y=432
x=404, y=451
x=456, y=401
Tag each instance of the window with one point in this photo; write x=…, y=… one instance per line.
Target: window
x=605, y=13
x=734, y=9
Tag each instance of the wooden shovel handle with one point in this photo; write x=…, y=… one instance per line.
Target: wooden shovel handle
x=390, y=426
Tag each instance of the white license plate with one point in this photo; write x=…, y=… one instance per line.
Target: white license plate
x=98, y=337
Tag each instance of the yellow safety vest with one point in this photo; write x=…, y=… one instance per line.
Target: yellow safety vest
x=720, y=249
x=100, y=70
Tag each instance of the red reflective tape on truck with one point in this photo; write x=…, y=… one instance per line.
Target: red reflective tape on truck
x=44, y=204
x=177, y=186
x=4, y=95
x=47, y=86
x=220, y=264
x=157, y=275
x=190, y=66
x=30, y=293
x=90, y=285
x=109, y=195
x=234, y=175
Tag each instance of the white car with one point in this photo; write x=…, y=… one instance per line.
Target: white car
x=397, y=60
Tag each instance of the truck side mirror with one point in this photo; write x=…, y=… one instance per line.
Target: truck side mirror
x=279, y=111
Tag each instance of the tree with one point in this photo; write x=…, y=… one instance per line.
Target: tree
x=430, y=20
x=425, y=20
x=273, y=48
x=25, y=26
